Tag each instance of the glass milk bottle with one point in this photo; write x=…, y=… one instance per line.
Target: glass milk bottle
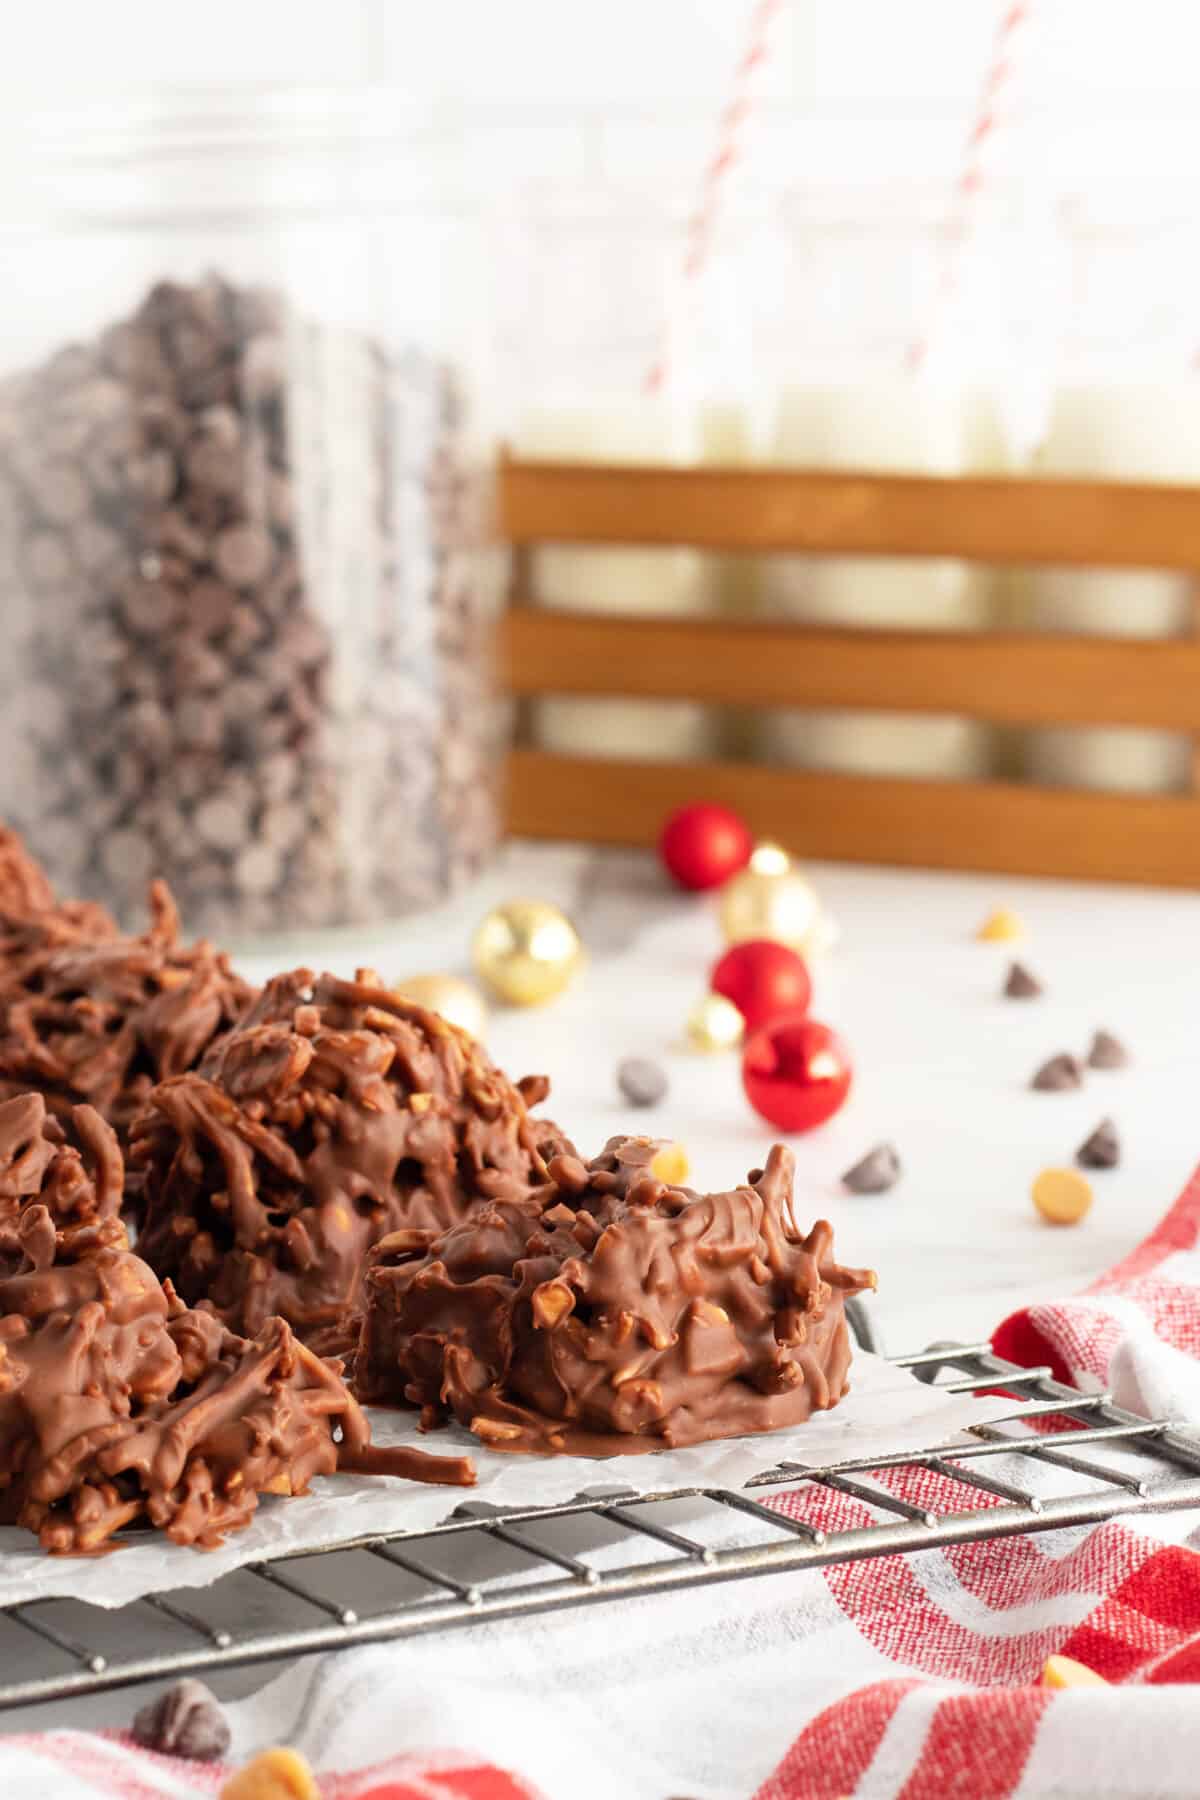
x=888, y=425
x=1131, y=431
x=603, y=269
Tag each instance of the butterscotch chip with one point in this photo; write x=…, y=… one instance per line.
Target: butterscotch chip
x=1001, y=927
x=670, y=1164
x=1062, y=1196
x=1065, y=1672
x=275, y=1775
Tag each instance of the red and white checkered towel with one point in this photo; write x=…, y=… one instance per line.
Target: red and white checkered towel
x=900, y=1678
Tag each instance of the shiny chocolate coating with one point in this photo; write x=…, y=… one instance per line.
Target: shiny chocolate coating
x=25, y=888
x=612, y=1312
x=119, y=1406
x=336, y=1113
x=33, y=920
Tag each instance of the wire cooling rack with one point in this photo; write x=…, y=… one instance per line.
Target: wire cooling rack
x=488, y=1562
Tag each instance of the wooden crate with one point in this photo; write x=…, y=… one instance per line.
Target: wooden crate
x=1002, y=677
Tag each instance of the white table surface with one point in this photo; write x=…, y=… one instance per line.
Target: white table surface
x=943, y=1067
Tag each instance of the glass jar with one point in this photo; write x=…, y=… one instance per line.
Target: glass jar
x=244, y=589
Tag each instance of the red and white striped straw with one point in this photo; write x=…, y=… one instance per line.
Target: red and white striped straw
x=731, y=136
x=993, y=115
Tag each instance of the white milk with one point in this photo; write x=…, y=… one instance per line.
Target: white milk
x=1133, y=433
x=889, y=427
x=605, y=579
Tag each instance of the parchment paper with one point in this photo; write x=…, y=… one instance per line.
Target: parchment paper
x=887, y=1411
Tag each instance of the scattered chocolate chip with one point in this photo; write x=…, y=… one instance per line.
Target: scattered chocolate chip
x=642, y=1082
x=1061, y=1072
x=1102, y=1150
x=187, y=1720
x=875, y=1173
x=1022, y=984
x=1107, y=1052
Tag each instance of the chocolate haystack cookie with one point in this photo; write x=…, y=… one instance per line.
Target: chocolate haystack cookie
x=1102, y=1149
x=1022, y=984
x=336, y=1113
x=118, y=1405
x=33, y=920
x=1107, y=1052
x=1058, y=1073
x=74, y=1186
x=25, y=887
x=613, y=1312
x=103, y=1018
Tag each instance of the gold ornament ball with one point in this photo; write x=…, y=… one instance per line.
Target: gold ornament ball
x=453, y=998
x=770, y=859
x=771, y=902
x=527, y=952
x=714, y=1023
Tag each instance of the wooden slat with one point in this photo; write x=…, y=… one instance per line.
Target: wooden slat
x=1018, y=679
x=988, y=519
x=928, y=824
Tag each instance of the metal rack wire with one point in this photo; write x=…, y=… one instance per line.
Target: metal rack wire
x=488, y=1562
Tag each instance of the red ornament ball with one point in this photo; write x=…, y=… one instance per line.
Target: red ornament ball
x=763, y=979
x=703, y=845
x=796, y=1072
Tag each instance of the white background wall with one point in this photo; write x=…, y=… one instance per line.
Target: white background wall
x=569, y=109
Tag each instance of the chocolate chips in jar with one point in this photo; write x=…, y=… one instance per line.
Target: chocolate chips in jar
x=244, y=626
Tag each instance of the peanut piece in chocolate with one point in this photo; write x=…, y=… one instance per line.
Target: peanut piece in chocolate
x=613, y=1312
x=336, y=1113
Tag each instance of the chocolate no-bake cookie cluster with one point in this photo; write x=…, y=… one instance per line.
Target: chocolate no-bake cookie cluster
x=119, y=1405
x=88, y=1015
x=336, y=1113
x=325, y=1167
x=613, y=1311
x=32, y=917
x=122, y=1407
